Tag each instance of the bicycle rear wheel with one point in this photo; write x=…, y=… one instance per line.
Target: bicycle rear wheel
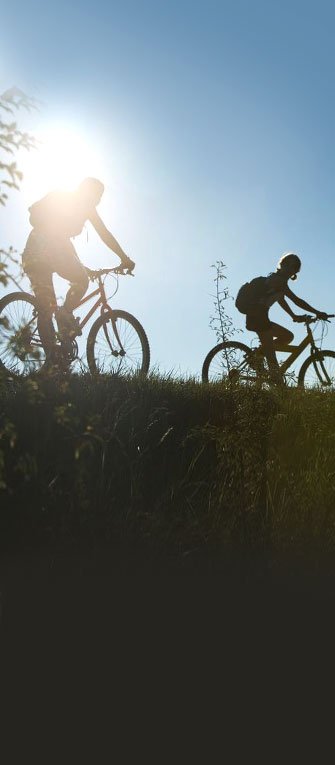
x=318, y=371
x=117, y=344
x=228, y=362
x=21, y=350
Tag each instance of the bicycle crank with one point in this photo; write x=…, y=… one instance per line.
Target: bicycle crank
x=70, y=350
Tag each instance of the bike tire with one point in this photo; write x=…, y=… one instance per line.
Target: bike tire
x=318, y=370
x=20, y=354
x=215, y=366
x=100, y=358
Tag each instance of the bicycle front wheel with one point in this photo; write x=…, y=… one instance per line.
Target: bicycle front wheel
x=117, y=344
x=318, y=371
x=228, y=362
x=21, y=350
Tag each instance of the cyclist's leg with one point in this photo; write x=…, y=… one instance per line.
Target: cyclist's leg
x=46, y=304
x=281, y=335
x=69, y=267
x=276, y=336
x=267, y=342
x=38, y=270
x=258, y=321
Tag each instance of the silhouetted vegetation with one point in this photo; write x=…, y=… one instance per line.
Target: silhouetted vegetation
x=12, y=140
x=220, y=321
x=183, y=474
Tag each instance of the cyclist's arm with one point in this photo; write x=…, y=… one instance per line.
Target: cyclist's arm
x=107, y=237
x=300, y=303
x=283, y=304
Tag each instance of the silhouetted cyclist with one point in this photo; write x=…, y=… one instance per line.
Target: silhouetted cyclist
x=56, y=219
x=255, y=299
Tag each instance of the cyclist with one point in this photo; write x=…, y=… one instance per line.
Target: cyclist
x=56, y=219
x=274, y=288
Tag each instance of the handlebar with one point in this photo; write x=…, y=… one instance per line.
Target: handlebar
x=312, y=319
x=119, y=270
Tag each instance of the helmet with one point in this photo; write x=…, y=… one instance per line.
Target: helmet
x=91, y=186
x=290, y=262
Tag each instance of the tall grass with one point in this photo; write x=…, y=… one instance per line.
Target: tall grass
x=178, y=472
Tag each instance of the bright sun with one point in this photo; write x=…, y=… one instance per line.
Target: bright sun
x=62, y=160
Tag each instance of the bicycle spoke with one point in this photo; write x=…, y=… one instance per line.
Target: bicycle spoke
x=21, y=352
x=131, y=345
x=321, y=373
x=231, y=366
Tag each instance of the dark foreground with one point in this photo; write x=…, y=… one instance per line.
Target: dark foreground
x=116, y=490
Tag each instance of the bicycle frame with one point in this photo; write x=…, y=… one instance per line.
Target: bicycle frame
x=293, y=350
x=105, y=308
x=102, y=301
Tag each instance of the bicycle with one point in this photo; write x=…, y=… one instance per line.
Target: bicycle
x=236, y=362
x=116, y=343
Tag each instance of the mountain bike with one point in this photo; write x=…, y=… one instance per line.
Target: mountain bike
x=116, y=343
x=236, y=362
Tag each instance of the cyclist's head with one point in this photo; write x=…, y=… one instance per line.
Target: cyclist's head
x=91, y=190
x=289, y=264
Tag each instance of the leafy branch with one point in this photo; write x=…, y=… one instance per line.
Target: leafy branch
x=8, y=259
x=12, y=139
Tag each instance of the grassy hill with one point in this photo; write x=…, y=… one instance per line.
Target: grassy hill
x=170, y=472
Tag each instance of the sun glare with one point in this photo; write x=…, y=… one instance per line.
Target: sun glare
x=62, y=160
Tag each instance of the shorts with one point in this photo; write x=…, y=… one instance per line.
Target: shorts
x=45, y=255
x=257, y=319
x=52, y=253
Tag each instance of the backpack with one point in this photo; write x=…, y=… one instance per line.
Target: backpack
x=59, y=213
x=40, y=211
x=250, y=293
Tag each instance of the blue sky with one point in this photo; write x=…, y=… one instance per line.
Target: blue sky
x=214, y=129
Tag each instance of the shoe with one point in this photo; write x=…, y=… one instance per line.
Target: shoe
x=68, y=324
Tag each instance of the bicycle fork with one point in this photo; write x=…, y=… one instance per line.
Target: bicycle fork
x=114, y=352
x=325, y=380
